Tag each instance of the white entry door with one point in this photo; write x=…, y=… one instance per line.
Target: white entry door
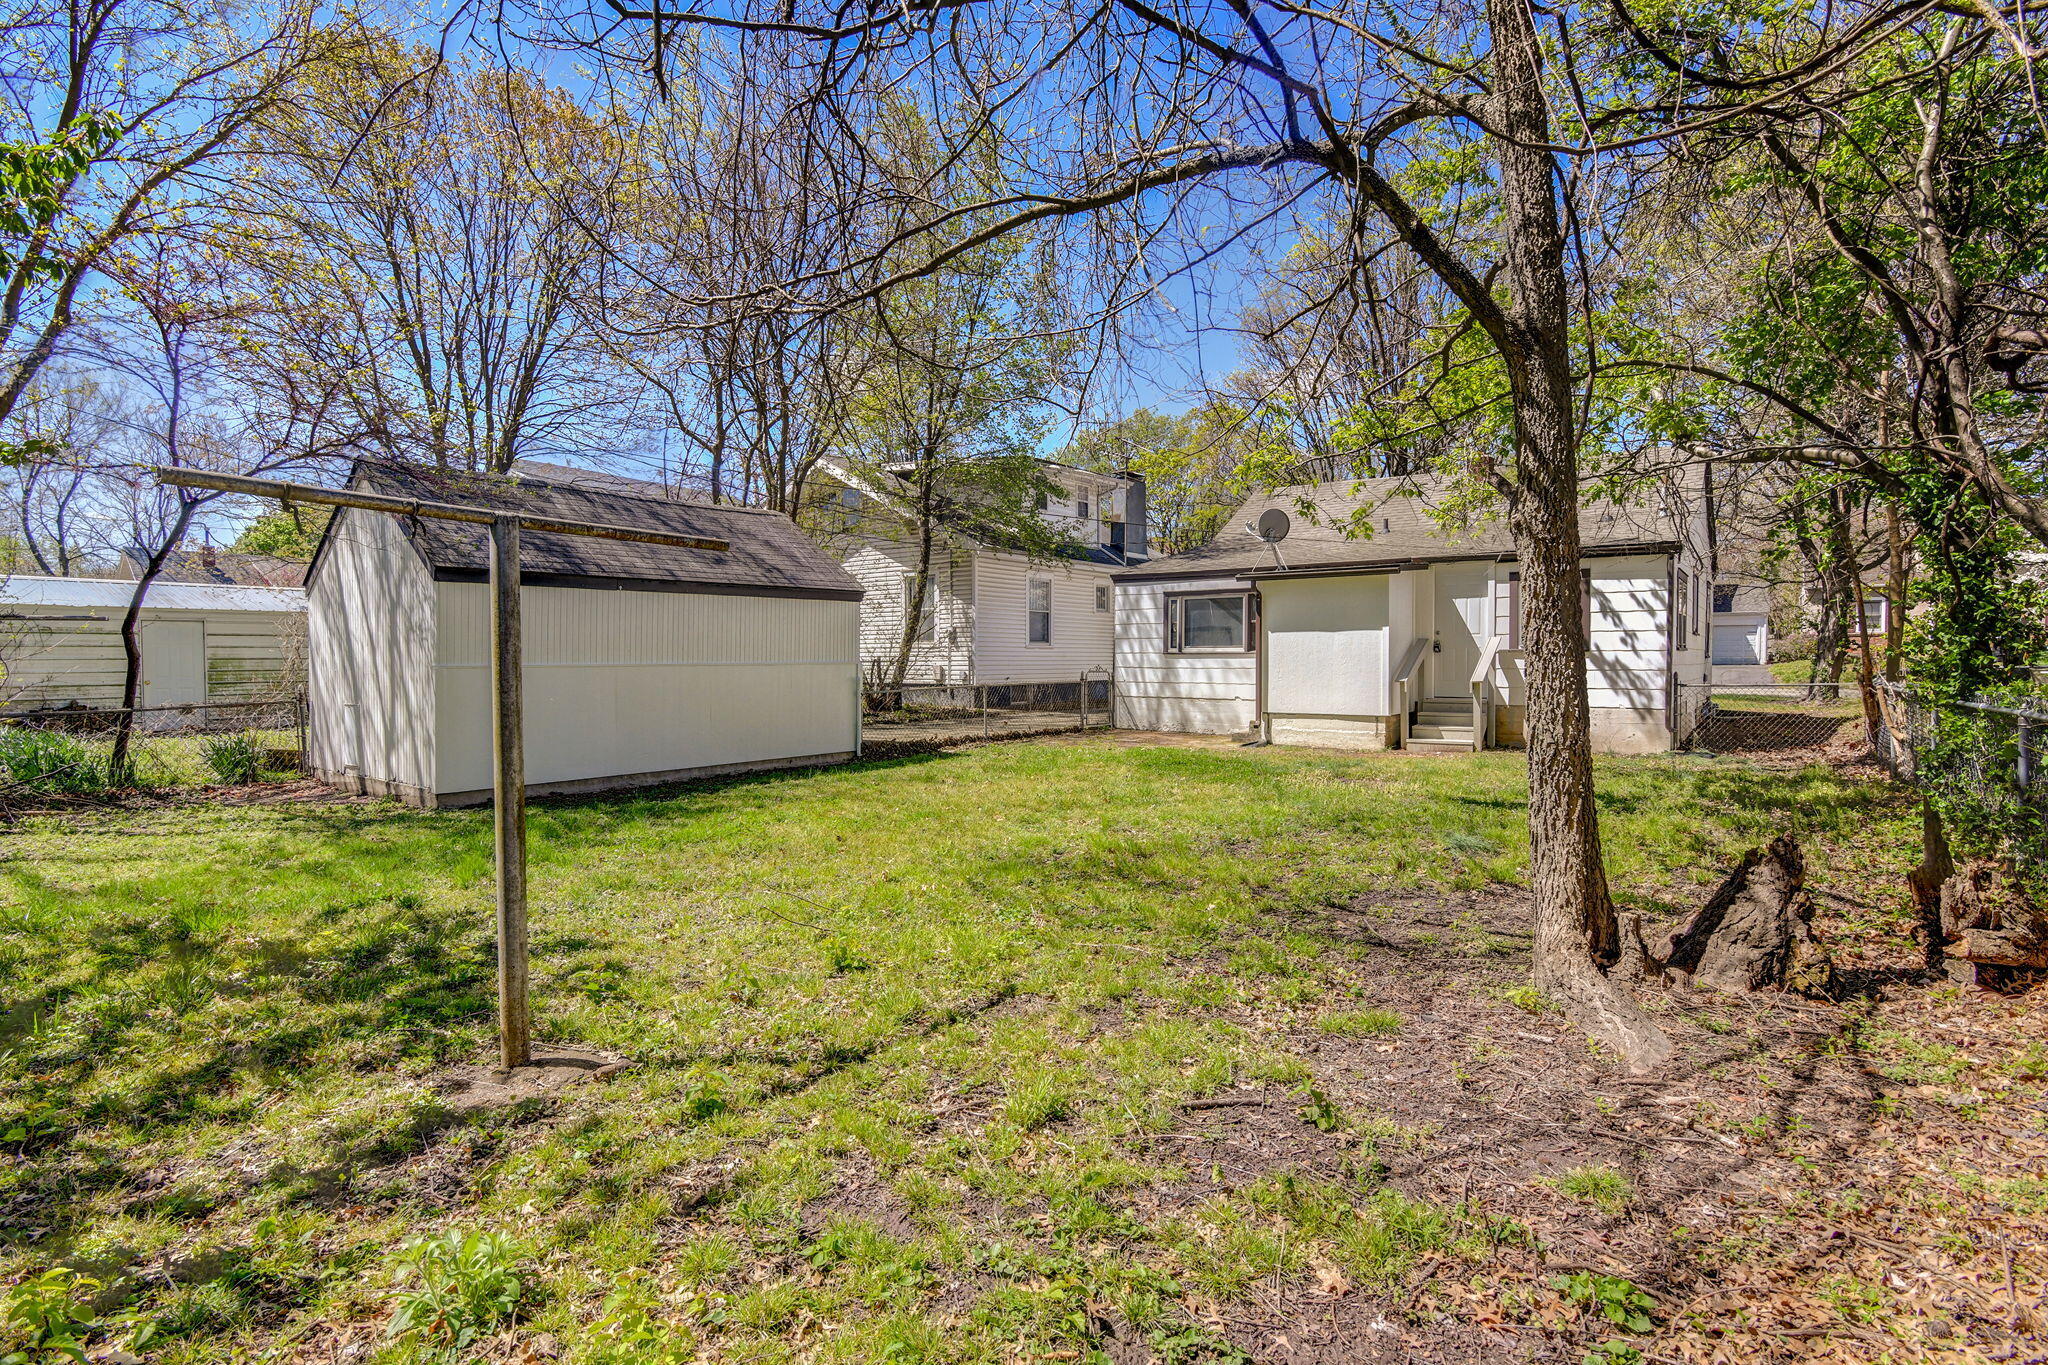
x=173, y=663
x=1462, y=601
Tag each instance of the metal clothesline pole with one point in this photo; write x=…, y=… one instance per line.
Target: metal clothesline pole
x=508, y=747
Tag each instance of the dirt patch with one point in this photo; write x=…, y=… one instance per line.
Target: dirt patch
x=470, y=1087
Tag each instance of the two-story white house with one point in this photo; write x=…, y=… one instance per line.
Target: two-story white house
x=1410, y=636
x=993, y=613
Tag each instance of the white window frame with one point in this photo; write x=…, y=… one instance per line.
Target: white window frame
x=1033, y=587
x=1103, y=599
x=1176, y=622
x=928, y=628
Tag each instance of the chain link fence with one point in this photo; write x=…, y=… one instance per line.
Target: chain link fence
x=66, y=754
x=1982, y=764
x=1765, y=718
x=925, y=714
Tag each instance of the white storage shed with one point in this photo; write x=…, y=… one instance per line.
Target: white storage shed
x=642, y=663
x=60, y=642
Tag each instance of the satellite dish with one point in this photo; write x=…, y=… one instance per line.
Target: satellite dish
x=1272, y=526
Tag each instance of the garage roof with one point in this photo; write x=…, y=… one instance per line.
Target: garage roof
x=35, y=590
x=766, y=556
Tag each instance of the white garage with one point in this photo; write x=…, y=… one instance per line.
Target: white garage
x=60, y=642
x=642, y=663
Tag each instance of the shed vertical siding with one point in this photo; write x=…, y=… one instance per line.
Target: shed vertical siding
x=1213, y=694
x=627, y=684
x=370, y=659
x=1083, y=637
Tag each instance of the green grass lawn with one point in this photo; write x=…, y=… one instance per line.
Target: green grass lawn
x=971, y=982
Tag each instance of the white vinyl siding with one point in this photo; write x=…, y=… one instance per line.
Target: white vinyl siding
x=249, y=655
x=1082, y=637
x=884, y=568
x=622, y=683
x=1195, y=693
x=1625, y=660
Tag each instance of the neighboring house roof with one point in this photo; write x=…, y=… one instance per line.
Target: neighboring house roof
x=888, y=498
x=1403, y=531
x=35, y=590
x=1750, y=599
x=767, y=555
x=208, y=565
x=601, y=481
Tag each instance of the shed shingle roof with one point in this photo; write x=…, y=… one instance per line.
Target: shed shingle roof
x=1400, y=513
x=766, y=555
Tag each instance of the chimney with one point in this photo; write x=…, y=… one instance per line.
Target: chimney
x=1134, y=546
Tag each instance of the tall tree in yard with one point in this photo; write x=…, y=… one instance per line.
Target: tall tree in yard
x=424, y=229
x=198, y=399
x=119, y=120
x=1431, y=123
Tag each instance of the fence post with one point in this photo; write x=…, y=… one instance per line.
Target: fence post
x=1084, y=702
x=984, y=710
x=2026, y=755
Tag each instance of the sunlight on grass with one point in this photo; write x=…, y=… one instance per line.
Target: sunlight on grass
x=895, y=1027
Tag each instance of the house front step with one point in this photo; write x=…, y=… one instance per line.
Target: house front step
x=1439, y=746
x=1462, y=734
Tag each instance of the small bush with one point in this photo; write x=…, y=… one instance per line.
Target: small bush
x=1601, y=1186
x=456, y=1288
x=236, y=759
x=49, y=1315
x=50, y=761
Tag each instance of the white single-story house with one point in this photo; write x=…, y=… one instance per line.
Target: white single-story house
x=643, y=663
x=1739, y=632
x=60, y=642
x=993, y=614
x=1409, y=636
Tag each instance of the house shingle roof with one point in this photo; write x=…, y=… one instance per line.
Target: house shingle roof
x=766, y=555
x=1330, y=521
x=225, y=567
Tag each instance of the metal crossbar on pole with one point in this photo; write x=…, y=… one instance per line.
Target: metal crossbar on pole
x=508, y=747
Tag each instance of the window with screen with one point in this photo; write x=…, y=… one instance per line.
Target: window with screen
x=1081, y=508
x=1038, y=611
x=928, y=619
x=1210, y=623
x=1683, y=612
x=1102, y=598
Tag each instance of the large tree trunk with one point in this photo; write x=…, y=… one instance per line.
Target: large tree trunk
x=1576, y=933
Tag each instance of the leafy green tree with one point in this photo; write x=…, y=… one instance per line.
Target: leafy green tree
x=287, y=533
x=1193, y=465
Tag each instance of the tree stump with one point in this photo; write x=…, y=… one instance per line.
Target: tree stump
x=1994, y=935
x=1756, y=931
